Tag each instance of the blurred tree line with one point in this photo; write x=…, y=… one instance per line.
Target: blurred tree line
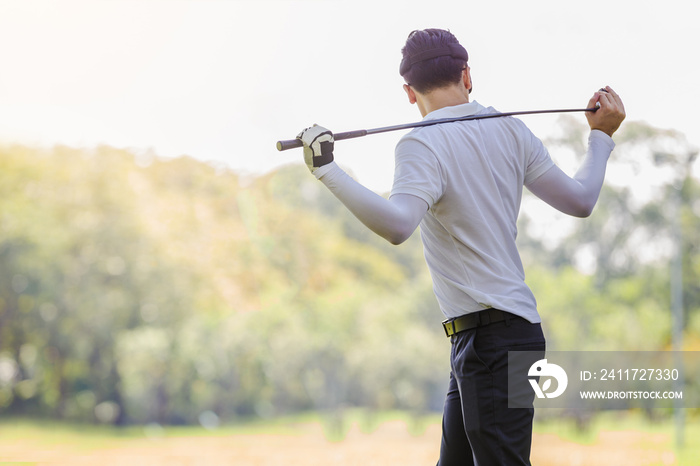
x=135, y=289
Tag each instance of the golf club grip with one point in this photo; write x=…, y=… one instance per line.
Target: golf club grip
x=292, y=143
x=288, y=144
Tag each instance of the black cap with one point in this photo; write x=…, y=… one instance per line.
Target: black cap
x=451, y=50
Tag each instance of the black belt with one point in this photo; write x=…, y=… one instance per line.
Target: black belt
x=473, y=320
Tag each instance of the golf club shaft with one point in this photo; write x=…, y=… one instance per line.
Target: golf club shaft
x=292, y=143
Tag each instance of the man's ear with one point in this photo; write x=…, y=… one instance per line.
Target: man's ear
x=467, y=79
x=410, y=93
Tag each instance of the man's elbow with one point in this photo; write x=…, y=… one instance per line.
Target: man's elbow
x=399, y=235
x=582, y=210
x=397, y=238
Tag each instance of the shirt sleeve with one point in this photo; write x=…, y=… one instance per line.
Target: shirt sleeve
x=417, y=171
x=538, y=161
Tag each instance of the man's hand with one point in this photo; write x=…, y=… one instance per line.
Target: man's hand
x=610, y=113
x=318, y=146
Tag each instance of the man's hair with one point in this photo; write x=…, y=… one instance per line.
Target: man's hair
x=432, y=73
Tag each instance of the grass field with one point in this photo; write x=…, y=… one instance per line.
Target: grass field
x=389, y=439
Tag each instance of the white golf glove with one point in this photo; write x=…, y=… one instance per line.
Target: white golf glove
x=318, y=146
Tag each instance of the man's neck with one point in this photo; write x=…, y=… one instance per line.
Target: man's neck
x=440, y=98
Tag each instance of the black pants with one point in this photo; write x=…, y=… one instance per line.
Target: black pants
x=478, y=428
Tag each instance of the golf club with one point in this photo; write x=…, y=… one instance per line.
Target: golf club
x=292, y=143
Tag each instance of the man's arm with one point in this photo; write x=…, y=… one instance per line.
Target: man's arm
x=578, y=195
x=393, y=219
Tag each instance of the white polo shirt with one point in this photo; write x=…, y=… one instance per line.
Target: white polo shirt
x=471, y=174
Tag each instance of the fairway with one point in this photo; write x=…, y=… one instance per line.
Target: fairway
x=305, y=443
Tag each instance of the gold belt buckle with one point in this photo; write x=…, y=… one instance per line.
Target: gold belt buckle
x=449, y=326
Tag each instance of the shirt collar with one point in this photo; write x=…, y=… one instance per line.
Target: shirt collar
x=455, y=111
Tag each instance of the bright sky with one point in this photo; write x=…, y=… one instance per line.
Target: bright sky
x=224, y=80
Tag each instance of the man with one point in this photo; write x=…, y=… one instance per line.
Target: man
x=462, y=182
